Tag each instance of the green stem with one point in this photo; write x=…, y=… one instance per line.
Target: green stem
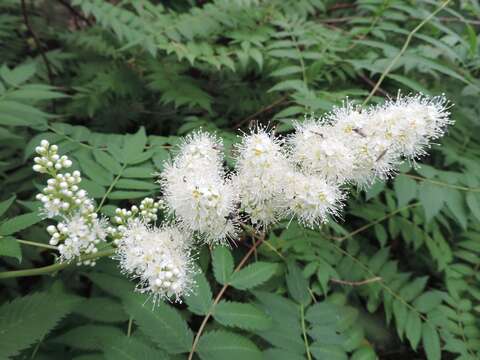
x=402, y=50
x=370, y=224
x=129, y=329
x=112, y=185
x=304, y=332
x=37, y=244
x=441, y=183
x=52, y=268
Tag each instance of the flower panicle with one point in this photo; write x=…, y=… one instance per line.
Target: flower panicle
x=303, y=176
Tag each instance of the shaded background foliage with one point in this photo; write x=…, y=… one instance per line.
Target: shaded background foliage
x=116, y=83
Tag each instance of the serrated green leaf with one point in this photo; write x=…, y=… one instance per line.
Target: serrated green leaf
x=364, y=353
x=332, y=352
x=413, y=329
x=19, y=74
x=281, y=354
x=102, y=309
x=5, y=205
x=222, y=262
x=9, y=246
x=400, y=311
x=122, y=195
x=432, y=199
x=323, y=313
x=287, y=70
x=455, y=202
x=297, y=284
x=200, y=300
x=107, y=161
x=90, y=337
x=117, y=286
x=134, y=145
x=253, y=275
x=139, y=172
x=428, y=301
x=135, y=184
x=163, y=324
x=405, y=189
x=14, y=113
x=132, y=349
x=431, y=341
x=413, y=289
x=244, y=316
x=93, y=189
x=221, y=345
x=26, y=320
x=19, y=223
x=93, y=170
x=473, y=202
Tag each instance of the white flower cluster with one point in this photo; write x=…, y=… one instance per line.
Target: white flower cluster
x=197, y=190
x=159, y=257
x=260, y=179
x=351, y=145
x=80, y=230
x=304, y=175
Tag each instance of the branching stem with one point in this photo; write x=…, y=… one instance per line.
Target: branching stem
x=220, y=295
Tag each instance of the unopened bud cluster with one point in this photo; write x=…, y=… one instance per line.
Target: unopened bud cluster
x=48, y=160
x=79, y=229
x=146, y=212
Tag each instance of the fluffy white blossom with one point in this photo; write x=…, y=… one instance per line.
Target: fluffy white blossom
x=311, y=199
x=78, y=235
x=410, y=124
x=319, y=148
x=159, y=257
x=197, y=190
x=260, y=179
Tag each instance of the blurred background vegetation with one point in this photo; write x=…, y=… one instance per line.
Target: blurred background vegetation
x=396, y=278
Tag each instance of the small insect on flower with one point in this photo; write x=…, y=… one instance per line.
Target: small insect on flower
x=160, y=257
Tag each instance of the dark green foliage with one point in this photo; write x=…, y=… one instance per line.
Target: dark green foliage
x=117, y=83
